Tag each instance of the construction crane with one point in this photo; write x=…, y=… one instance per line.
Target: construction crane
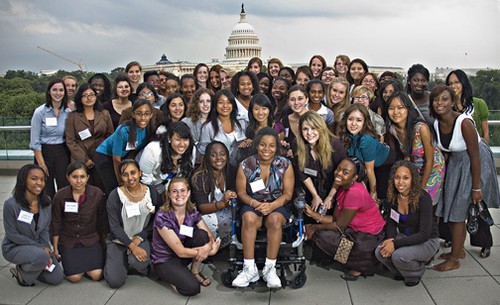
x=79, y=64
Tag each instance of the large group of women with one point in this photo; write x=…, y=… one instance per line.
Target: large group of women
x=138, y=178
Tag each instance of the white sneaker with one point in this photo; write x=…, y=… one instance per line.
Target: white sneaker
x=246, y=276
x=269, y=275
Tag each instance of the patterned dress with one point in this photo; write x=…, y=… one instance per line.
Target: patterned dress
x=434, y=185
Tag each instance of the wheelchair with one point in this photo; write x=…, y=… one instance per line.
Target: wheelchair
x=291, y=262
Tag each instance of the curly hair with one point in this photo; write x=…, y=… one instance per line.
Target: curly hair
x=193, y=111
x=415, y=188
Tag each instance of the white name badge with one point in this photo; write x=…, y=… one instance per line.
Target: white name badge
x=26, y=217
x=132, y=210
x=257, y=185
x=71, y=207
x=85, y=134
x=51, y=122
x=186, y=231
x=395, y=216
x=310, y=172
x=287, y=130
x=129, y=147
x=218, y=194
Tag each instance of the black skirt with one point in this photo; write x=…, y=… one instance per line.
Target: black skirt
x=80, y=259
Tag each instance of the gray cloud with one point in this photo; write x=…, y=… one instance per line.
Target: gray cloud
x=104, y=34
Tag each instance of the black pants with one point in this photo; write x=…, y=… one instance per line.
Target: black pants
x=106, y=171
x=56, y=157
x=174, y=270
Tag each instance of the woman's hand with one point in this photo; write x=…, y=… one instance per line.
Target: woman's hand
x=56, y=254
x=387, y=247
x=316, y=202
x=265, y=208
x=245, y=143
x=310, y=212
x=90, y=164
x=44, y=168
x=139, y=253
x=215, y=247
x=49, y=252
x=373, y=194
x=476, y=196
x=203, y=252
x=228, y=195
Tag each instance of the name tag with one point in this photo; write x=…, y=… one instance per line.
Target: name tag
x=310, y=172
x=395, y=216
x=132, y=210
x=25, y=217
x=85, y=134
x=130, y=147
x=218, y=194
x=186, y=231
x=287, y=130
x=257, y=185
x=51, y=122
x=71, y=207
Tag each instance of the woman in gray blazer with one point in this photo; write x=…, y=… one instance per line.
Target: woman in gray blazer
x=26, y=217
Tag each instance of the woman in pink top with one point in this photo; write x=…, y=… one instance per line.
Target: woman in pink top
x=357, y=215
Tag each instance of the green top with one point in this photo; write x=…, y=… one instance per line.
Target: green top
x=481, y=113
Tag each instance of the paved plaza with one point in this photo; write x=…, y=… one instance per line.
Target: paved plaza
x=476, y=282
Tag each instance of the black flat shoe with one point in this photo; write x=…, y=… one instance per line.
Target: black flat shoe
x=411, y=284
x=447, y=244
x=352, y=277
x=485, y=252
x=398, y=277
x=15, y=273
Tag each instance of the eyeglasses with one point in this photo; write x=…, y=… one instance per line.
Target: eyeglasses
x=141, y=114
x=331, y=74
x=454, y=83
x=144, y=94
x=91, y=95
x=363, y=97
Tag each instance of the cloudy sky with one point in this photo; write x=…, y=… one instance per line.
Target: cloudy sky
x=104, y=34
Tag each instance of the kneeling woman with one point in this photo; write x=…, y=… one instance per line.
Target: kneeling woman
x=131, y=208
x=357, y=215
x=181, y=237
x=77, y=217
x=412, y=235
x=264, y=184
x=26, y=220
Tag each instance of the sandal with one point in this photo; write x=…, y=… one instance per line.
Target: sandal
x=17, y=275
x=204, y=281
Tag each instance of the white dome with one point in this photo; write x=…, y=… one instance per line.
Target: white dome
x=243, y=43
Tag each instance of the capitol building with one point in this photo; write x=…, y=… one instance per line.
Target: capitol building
x=243, y=44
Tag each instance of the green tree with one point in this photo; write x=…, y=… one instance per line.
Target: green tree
x=115, y=72
x=486, y=85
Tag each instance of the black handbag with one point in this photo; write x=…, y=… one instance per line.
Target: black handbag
x=484, y=213
x=472, y=219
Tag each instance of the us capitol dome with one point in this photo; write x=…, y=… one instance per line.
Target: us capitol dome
x=243, y=43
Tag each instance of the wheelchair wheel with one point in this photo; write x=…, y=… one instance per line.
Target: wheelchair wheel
x=299, y=281
x=226, y=278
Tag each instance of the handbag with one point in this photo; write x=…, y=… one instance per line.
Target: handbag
x=472, y=219
x=484, y=213
x=344, y=248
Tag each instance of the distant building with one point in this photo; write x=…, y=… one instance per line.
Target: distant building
x=243, y=44
x=441, y=73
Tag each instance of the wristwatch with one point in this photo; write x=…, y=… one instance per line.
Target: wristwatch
x=140, y=238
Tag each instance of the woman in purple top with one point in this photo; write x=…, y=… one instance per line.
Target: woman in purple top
x=181, y=237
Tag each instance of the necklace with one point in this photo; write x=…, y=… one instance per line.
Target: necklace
x=128, y=192
x=402, y=196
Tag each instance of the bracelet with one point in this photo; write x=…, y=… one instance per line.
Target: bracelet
x=476, y=190
x=319, y=220
x=251, y=202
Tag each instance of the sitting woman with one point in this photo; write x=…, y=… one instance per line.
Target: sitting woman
x=264, y=184
x=172, y=155
x=412, y=234
x=180, y=238
x=78, y=218
x=213, y=190
x=26, y=220
x=357, y=215
x=131, y=209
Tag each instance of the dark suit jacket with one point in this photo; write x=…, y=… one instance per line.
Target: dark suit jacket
x=83, y=150
x=18, y=233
